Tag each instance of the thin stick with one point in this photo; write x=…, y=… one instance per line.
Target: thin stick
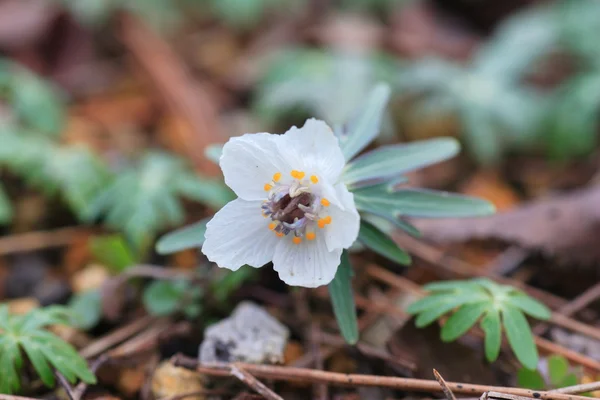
x=115, y=337
x=41, y=240
x=65, y=385
x=303, y=375
x=253, y=383
x=11, y=397
x=581, y=388
x=447, y=391
x=503, y=396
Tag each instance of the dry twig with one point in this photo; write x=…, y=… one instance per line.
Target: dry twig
x=253, y=383
x=447, y=391
x=303, y=375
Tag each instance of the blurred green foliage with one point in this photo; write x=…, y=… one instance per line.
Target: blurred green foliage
x=558, y=374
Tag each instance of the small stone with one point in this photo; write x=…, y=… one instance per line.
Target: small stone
x=169, y=381
x=89, y=278
x=249, y=335
x=22, y=305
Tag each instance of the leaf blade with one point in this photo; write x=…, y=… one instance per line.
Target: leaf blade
x=342, y=299
x=382, y=244
x=519, y=336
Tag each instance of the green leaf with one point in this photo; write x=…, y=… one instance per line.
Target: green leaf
x=364, y=128
x=210, y=192
x=490, y=324
x=213, y=152
x=447, y=304
x=164, y=297
x=10, y=363
x=112, y=251
x=380, y=243
x=529, y=306
x=38, y=359
x=191, y=236
x=381, y=200
x=388, y=227
x=37, y=103
x=457, y=285
x=6, y=212
x=462, y=320
x=229, y=281
x=394, y=160
x=519, y=336
x=530, y=379
x=573, y=124
x=342, y=299
x=87, y=309
x=569, y=380
x=558, y=368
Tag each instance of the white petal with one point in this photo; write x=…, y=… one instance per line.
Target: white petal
x=342, y=232
x=307, y=264
x=238, y=234
x=250, y=161
x=313, y=149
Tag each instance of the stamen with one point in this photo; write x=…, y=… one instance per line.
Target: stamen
x=268, y=187
x=277, y=177
x=311, y=236
x=272, y=226
x=321, y=223
x=297, y=240
x=314, y=179
x=328, y=219
x=280, y=234
x=325, y=202
x=297, y=174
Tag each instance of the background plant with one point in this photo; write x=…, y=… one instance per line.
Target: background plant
x=497, y=308
x=24, y=335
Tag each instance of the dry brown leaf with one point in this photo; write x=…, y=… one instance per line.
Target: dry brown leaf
x=565, y=226
x=489, y=185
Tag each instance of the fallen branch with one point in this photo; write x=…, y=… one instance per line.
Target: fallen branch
x=31, y=241
x=303, y=375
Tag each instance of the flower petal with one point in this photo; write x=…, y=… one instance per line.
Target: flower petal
x=250, y=161
x=342, y=232
x=307, y=264
x=238, y=234
x=313, y=149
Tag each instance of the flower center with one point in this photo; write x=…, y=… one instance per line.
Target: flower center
x=294, y=206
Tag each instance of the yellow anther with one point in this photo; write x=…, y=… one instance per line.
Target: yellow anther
x=272, y=226
x=311, y=236
x=280, y=234
x=297, y=174
x=327, y=219
x=314, y=179
x=297, y=240
x=268, y=187
x=277, y=177
x=325, y=202
x=321, y=223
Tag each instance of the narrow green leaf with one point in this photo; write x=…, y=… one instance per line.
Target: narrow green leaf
x=389, y=227
x=363, y=129
x=462, y=320
x=529, y=306
x=519, y=336
x=185, y=238
x=380, y=243
x=112, y=251
x=395, y=160
x=490, y=324
x=451, y=301
x=530, y=379
x=210, y=192
x=37, y=358
x=6, y=212
x=342, y=299
x=431, y=301
x=10, y=364
x=569, y=380
x=381, y=200
x=558, y=368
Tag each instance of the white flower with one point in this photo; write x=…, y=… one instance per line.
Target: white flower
x=291, y=209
